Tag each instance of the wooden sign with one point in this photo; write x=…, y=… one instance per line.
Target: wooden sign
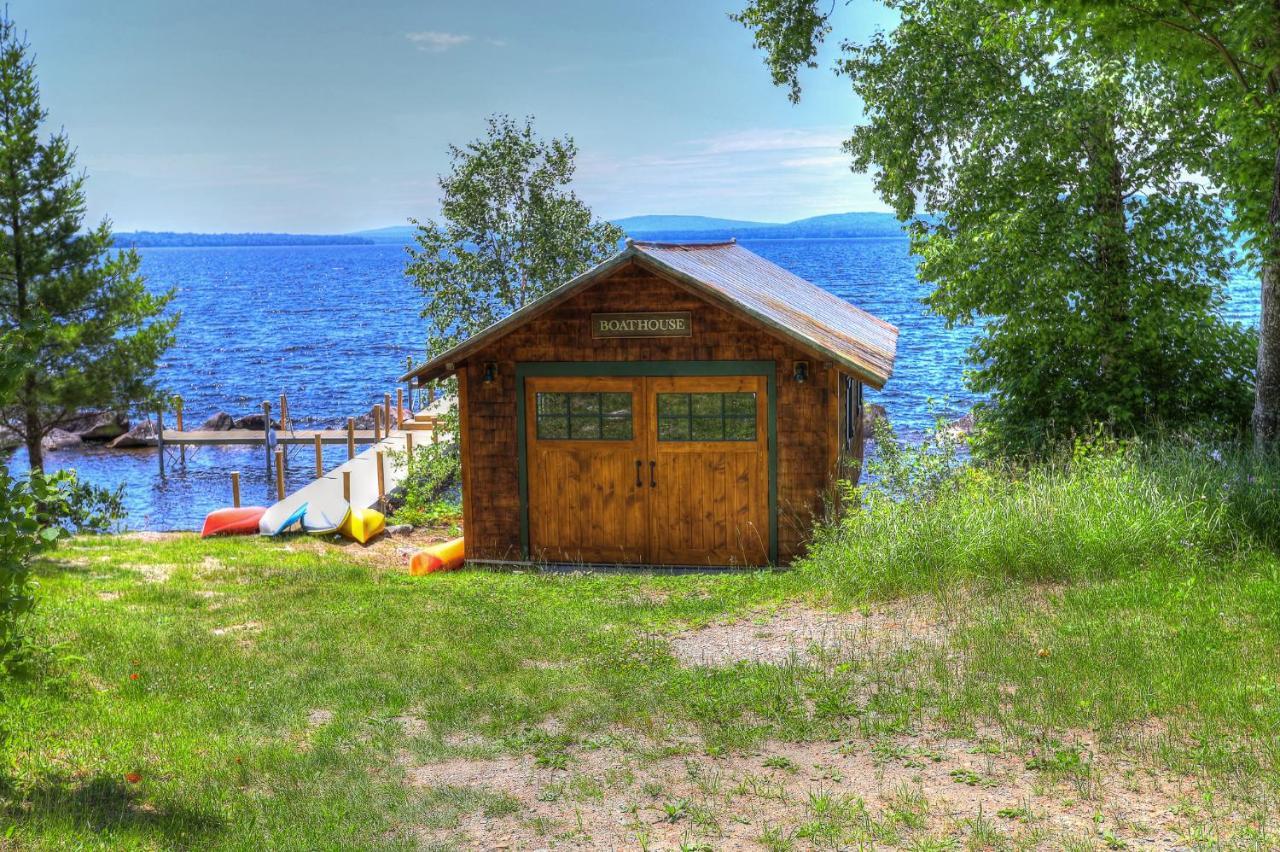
x=670, y=324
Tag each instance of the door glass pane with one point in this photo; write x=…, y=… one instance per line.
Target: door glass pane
x=615, y=429
x=707, y=404
x=582, y=404
x=583, y=416
x=584, y=428
x=553, y=427
x=673, y=404
x=740, y=405
x=673, y=429
x=739, y=429
x=553, y=403
x=616, y=404
x=708, y=429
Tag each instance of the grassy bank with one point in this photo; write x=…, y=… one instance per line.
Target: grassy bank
x=1079, y=657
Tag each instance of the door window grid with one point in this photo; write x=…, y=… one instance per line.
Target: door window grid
x=590, y=416
x=706, y=417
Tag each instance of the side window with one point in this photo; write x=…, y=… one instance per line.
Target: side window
x=584, y=416
x=706, y=417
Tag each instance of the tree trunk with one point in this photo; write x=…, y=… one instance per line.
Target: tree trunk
x=31, y=428
x=1266, y=406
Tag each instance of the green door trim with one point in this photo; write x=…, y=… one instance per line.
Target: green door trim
x=659, y=369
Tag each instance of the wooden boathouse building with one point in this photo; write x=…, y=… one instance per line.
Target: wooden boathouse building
x=678, y=404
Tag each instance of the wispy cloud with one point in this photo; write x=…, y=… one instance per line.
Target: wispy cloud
x=767, y=174
x=815, y=162
x=434, y=41
x=772, y=140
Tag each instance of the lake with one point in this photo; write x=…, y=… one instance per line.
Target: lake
x=331, y=326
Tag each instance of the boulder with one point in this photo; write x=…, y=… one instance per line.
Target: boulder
x=141, y=435
x=872, y=413
x=961, y=427
x=97, y=425
x=364, y=421
x=399, y=529
x=254, y=422
x=60, y=439
x=220, y=422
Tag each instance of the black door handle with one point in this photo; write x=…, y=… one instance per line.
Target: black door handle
x=639, y=483
x=653, y=479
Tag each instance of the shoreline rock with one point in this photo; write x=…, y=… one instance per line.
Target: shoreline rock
x=220, y=422
x=254, y=422
x=97, y=425
x=60, y=439
x=142, y=435
x=871, y=413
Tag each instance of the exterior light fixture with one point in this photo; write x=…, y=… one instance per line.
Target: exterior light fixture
x=801, y=375
x=490, y=372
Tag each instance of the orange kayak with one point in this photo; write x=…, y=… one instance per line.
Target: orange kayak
x=445, y=556
x=241, y=521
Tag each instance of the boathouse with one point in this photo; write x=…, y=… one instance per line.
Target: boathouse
x=679, y=404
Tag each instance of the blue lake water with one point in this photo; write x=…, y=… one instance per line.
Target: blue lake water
x=331, y=327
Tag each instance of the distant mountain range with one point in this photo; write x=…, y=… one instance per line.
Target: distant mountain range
x=654, y=227
x=690, y=228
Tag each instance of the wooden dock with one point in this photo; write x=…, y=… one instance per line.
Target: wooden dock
x=255, y=437
x=360, y=474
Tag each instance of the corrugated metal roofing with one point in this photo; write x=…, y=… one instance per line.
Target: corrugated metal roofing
x=741, y=281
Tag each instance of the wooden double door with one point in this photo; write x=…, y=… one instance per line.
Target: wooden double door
x=650, y=470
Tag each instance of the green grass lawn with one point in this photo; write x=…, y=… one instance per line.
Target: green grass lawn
x=292, y=695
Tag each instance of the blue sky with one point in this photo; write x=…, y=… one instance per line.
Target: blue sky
x=327, y=116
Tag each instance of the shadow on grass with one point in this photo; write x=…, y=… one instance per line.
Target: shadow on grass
x=104, y=804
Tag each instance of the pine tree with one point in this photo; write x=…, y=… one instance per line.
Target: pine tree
x=87, y=332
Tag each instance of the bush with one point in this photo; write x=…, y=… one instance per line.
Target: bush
x=1105, y=509
x=35, y=512
x=429, y=492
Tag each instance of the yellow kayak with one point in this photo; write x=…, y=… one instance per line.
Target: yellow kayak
x=362, y=525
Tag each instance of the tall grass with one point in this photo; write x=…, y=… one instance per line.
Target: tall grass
x=927, y=522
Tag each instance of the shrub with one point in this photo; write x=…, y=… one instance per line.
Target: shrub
x=35, y=512
x=429, y=491
x=1105, y=509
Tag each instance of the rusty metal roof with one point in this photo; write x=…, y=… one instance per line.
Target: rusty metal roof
x=743, y=283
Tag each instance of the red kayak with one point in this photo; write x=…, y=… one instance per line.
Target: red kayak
x=242, y=521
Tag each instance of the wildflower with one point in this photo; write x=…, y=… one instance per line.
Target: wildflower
x=1042, y=653
x=133, y=676
x=132, y=777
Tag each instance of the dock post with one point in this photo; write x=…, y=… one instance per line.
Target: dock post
x=346, y=485
x=266, y=434
x=382, y=485
x=284, y=413
x=399, y=408
x=235, y=488
x=319, y=458
x=408, y=368
x=160, y=438
x=182, y=448
x=377, y=424
x=386, y=411
x=351, y=438
x=408, y=449
x=279, y=474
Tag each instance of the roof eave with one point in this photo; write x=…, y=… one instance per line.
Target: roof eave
x=447, y=362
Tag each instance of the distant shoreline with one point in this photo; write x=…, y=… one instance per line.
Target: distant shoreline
x=171, y=239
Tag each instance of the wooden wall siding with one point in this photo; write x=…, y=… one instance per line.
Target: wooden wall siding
x=805, y=412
